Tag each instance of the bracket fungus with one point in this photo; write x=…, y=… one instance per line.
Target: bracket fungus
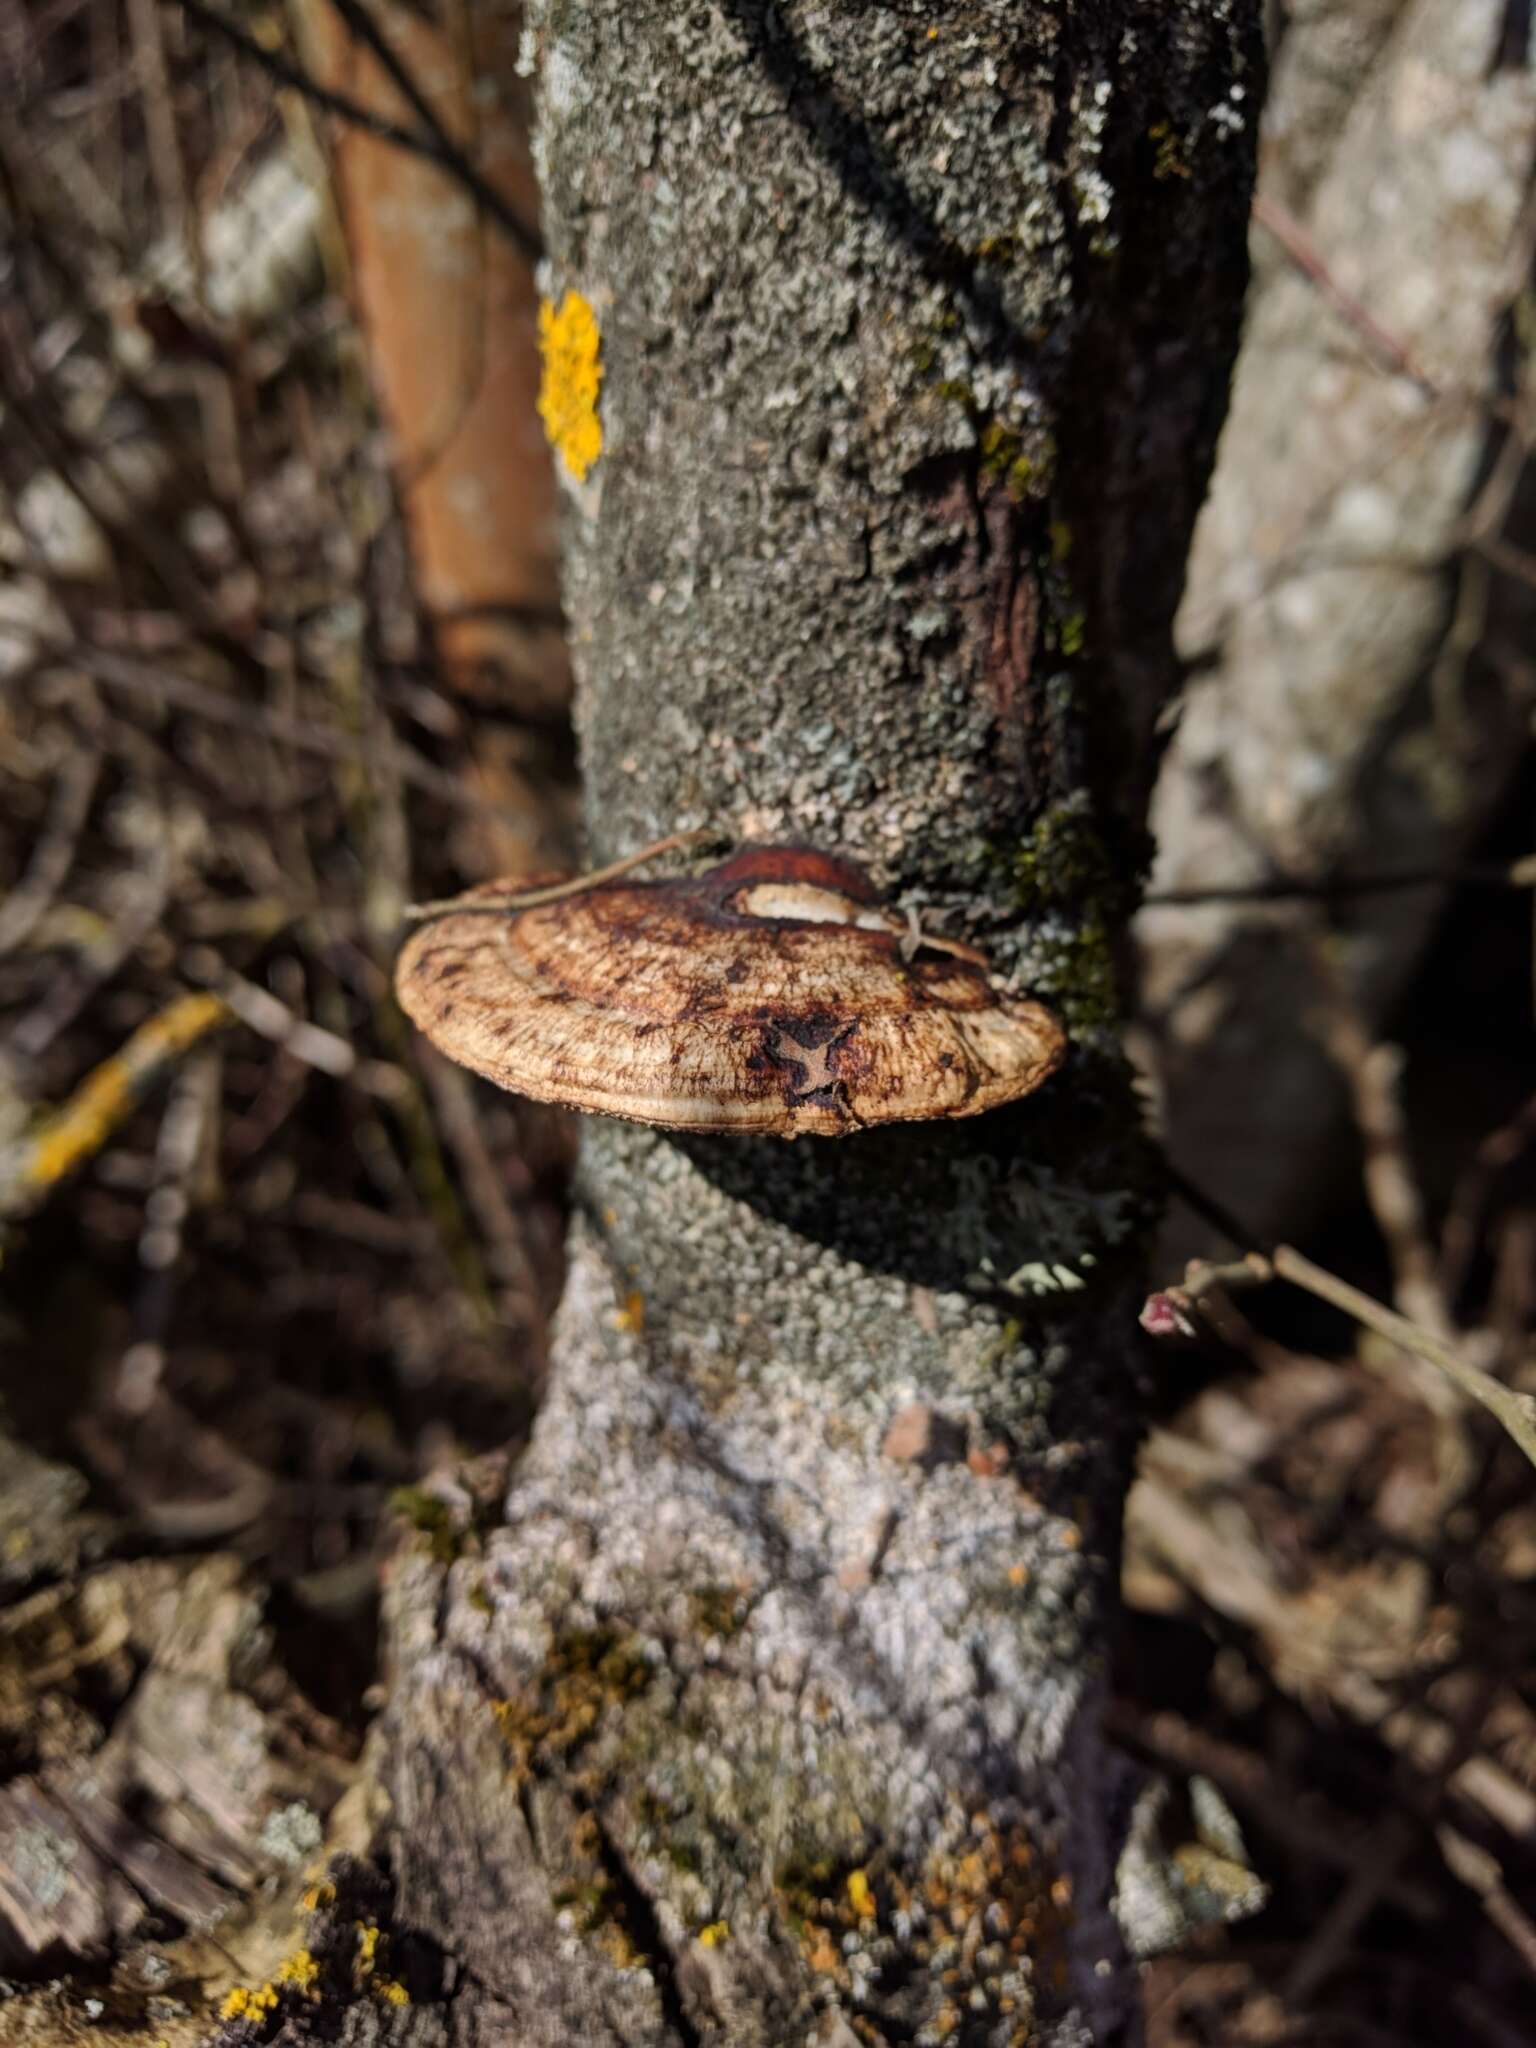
x=772, y=994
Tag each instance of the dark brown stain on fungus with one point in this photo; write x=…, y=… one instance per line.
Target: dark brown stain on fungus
x=809, y=1047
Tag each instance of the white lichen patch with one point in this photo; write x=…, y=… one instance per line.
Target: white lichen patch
x=292, y=1834
x=42, y=1862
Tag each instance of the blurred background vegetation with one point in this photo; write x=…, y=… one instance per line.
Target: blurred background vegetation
x=280, y=651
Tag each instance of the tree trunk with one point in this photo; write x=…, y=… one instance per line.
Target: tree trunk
x=447, y=308
x=1356, y=711
x=770, y=1711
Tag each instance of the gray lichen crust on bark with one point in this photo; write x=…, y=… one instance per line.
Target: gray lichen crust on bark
x=768, y=1715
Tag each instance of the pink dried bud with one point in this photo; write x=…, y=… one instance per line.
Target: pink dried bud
x=1166, y=1316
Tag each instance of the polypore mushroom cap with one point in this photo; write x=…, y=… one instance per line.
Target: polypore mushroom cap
x=770, y=994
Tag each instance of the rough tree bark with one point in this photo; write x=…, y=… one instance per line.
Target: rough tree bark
x=768, y=1712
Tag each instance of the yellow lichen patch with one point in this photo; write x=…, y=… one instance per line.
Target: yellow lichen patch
x=573, y=374
x=319, y=1895
x=299, y=1972
x=372, y=1948
x=300, y=1969
x=714, y=1934
x=860, y=1897
x=244, y=2003
x=631, y=1317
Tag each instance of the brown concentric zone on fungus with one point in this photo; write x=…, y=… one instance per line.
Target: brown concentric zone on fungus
x=772, y=994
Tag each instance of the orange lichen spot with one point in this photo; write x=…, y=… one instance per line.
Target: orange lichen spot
x=573, y=374
x=631, y=1317
x=318, y=1896
x=1018, y=1575
x=1069, y=1536
x=1061, y=1892
x=993, y=1880
x=860, y=1897
x=820, y=1951
x=714, y=1934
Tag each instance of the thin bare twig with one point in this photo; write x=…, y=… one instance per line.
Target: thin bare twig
x=1499, y=1150
x=308, y=1043
x=556, y=892
x=22, y=910
x=1519, y=874
x=1330, y=1942
x=1480, y=1873
x=436, y=146
x=160, y=128
x=485, y=1193
x=1372, y=1072
x=100, y=961
x=190, y=1115
x=221, y=707
x=1309, y=259
x=1516, y=1413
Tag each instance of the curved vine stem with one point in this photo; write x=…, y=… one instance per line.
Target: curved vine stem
x=555, y=892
